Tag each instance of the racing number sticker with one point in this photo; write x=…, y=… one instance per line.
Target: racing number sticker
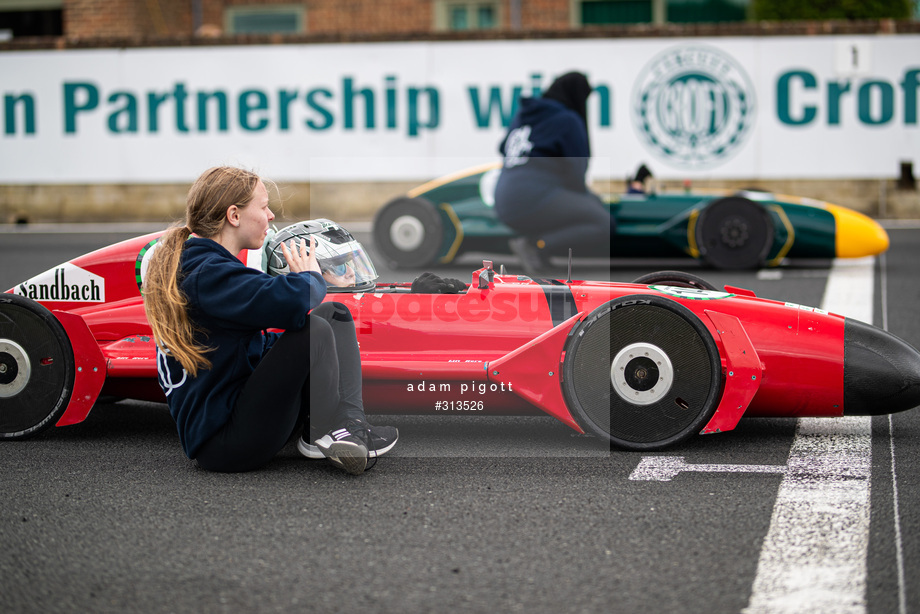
x=806, y=308
x=692, y=293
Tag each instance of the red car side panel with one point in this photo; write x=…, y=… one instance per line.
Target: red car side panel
x=89, y=367
x=534, y=372
x=742, y=368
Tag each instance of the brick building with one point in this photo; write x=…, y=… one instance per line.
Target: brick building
x=133, y=18
x=82, y=19
x=292, y=20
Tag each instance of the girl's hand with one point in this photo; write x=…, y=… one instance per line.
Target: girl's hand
x=297, y=258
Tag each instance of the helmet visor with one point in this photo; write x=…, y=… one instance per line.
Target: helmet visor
x=350, y=268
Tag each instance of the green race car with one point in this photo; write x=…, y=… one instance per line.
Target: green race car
x=439, y=220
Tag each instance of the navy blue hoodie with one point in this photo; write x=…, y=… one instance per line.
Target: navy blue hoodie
x=546, y=148
x=232, y=304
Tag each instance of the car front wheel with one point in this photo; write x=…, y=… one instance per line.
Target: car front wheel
x=36, y=368
x=643, y=372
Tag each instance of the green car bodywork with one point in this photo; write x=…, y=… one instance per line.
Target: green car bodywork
x=438, y=221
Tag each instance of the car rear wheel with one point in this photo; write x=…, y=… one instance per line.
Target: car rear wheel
x=643, y=372
x=675, y=278
x=36, y=368
x=408, y=232
x=734, y=233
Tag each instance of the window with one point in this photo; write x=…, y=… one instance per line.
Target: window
x=31, y=18
x=596, y=12
x=485, y=16
x=265, y=19
x=459, y=18
x=453, y=15
x=711, y=11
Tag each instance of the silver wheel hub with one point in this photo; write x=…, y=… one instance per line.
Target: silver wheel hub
x=407, y=233
x=15, y=368
x=641, y=373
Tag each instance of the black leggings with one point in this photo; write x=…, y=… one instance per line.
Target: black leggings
x=309, y=376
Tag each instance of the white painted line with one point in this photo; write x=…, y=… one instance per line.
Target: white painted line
x=898, y=542
x=883, y=283
x=769, y=274
x=666, y=468
x=849, y=290
x=896, y=511
x=813, y=558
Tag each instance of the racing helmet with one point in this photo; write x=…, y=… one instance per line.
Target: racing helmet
x=345, y=265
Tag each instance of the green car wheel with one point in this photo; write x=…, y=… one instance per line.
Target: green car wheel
x=734, y=233
x=408, y=232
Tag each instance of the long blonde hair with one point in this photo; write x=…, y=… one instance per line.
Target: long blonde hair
x=215, y=191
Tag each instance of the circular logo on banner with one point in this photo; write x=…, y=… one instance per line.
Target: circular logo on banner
x=693, y=106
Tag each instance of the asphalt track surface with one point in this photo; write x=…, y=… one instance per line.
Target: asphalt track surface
x=468, y=514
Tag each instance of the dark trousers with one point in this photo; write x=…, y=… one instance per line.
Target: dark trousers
x=563, y=219
x=310, y=376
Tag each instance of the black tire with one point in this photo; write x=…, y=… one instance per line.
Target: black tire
x=36, y=368
x=675, y=278
x=408, y=232
x=734, y=233
x=643, y=372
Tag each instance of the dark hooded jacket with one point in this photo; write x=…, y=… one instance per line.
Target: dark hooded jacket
x=546, y=146
x=232, y=305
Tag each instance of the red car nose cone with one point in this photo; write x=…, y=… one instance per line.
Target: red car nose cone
x=881, y=372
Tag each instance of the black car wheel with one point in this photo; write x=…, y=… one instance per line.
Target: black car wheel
x=734, y=233
x=408, y=232
x=36, y=368
x=643, y=372
x=675, y=278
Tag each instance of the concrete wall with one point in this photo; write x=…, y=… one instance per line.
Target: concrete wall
x=166, y=202
x=360, y=201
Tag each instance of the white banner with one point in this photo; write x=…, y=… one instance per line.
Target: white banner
x=768, y=107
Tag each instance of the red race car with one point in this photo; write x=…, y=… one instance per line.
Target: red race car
x=644, y=364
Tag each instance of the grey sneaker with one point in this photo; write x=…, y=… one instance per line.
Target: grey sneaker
x=346, y=448
x=381, y=440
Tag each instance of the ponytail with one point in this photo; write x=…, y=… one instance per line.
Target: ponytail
x=166, y=305
x=209, y=198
